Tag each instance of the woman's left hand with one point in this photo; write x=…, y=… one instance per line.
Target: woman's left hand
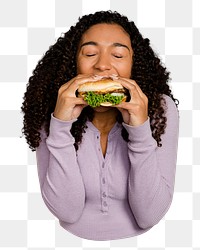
x=134, y=112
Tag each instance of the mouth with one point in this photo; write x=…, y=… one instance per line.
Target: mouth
x=99, y=77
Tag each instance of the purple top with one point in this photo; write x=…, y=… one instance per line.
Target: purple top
x=119, y=196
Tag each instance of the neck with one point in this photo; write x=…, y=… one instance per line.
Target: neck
x=104, y=121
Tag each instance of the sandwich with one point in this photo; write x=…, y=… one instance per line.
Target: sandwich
x=105, y=92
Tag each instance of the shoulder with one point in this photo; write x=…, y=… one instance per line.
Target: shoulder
x=171, y=114
x=168, y=100
x=168, y=104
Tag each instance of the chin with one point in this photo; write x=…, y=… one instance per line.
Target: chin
x=102, y=109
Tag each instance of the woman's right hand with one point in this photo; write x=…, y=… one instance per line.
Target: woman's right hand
x=68, y=106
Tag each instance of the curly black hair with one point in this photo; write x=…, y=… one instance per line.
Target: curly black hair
x=59, y=65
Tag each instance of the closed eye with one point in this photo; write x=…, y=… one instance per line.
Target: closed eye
x=118, y=56
x=90, y=55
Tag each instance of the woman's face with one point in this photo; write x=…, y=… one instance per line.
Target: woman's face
x=105, y=49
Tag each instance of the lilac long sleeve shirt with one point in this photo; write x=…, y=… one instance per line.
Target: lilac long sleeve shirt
x=120, y=195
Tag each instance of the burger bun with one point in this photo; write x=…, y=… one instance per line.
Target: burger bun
x=101, y=86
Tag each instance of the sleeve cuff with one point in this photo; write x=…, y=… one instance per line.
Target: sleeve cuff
x=59, y=132
x=140, y=135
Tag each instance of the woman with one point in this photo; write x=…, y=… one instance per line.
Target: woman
x=106, y=172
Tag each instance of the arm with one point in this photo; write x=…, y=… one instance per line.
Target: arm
x=60, y=179
x=152, y=173
x=61, y=182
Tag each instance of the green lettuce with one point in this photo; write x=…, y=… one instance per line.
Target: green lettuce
x=95, y=100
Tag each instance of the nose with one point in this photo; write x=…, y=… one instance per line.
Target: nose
x=103, y=63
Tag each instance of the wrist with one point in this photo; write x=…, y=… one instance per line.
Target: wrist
x=137, y=122
x=140, y=135
x=61, y=117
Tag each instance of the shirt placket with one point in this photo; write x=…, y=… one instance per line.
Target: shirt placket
x=104, y=188
x=103, y=176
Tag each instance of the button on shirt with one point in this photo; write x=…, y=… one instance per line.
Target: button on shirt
x=108, y=175
x=120, y=195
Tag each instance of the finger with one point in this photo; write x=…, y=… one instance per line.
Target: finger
x=80, y=101
x=131, y=85
x=133, y=91
x=133, y=82
x=68, y=84
x=78, y=81
x=75, y=82
x=123, y=105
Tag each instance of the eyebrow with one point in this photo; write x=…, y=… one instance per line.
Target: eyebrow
x=96, y=44
x=121, y=45
x=88, y=43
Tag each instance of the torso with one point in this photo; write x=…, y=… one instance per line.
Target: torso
x=104, y=120
x=104, y=142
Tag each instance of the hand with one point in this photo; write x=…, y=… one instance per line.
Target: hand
x=68, y=106
x=134, y=112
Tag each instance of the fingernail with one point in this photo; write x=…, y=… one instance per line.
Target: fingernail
x=97, y=77
x=114, y=76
